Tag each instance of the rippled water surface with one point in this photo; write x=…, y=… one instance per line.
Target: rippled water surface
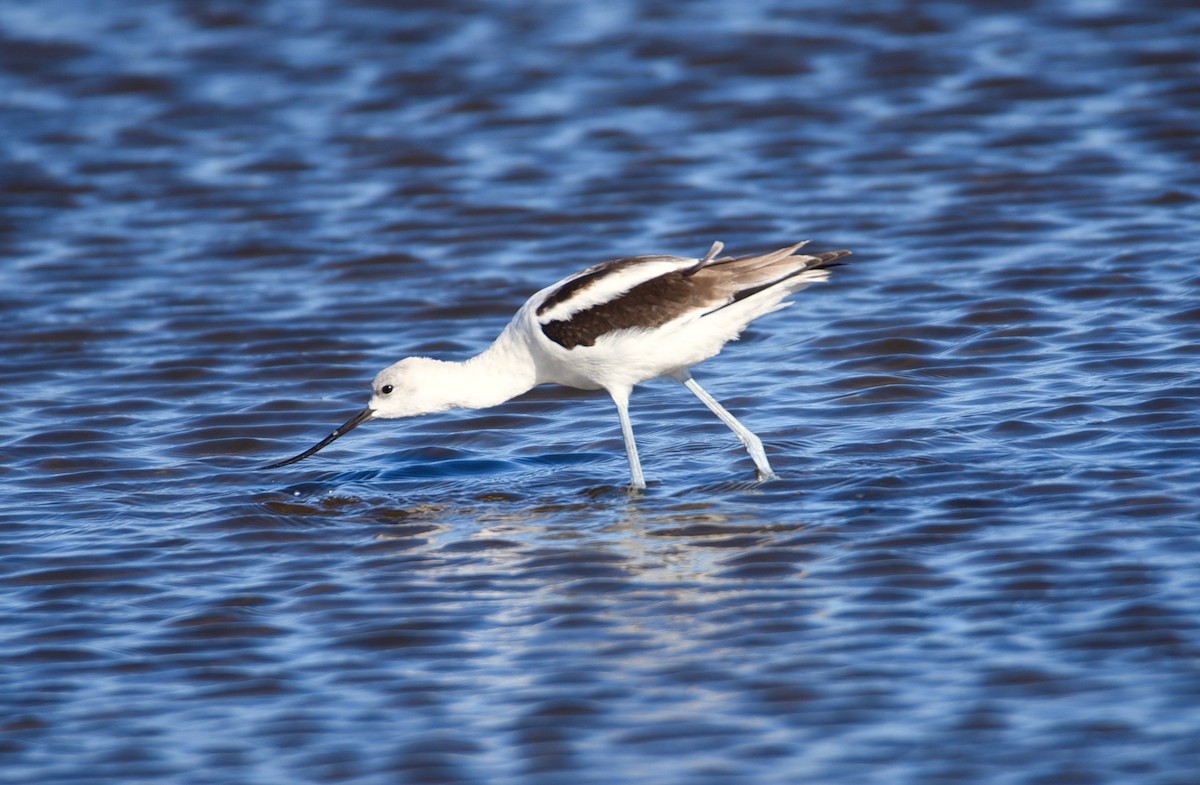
x=981, y=563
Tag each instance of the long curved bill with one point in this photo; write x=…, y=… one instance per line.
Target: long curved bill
x=338, y=432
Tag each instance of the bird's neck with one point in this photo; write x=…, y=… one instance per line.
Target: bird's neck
x=499, y=373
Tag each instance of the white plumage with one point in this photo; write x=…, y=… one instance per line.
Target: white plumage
x=609, y=327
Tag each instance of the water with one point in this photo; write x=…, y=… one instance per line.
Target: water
x=219, y=220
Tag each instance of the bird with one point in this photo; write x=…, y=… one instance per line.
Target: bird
x=609, y=327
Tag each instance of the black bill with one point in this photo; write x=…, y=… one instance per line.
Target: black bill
x=338, y=432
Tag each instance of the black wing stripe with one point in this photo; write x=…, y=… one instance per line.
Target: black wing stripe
x=648, y=305
x=591, y=276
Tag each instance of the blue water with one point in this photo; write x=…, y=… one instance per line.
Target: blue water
x=218, y=220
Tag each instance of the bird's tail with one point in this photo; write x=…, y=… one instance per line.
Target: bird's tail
x=746, y=276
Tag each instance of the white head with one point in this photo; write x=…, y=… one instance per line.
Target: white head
x=419, y=385
x=415, y=385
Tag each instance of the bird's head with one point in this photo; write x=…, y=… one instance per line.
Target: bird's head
x=415, y=385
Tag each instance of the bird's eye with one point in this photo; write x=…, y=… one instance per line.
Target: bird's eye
x=386, y=389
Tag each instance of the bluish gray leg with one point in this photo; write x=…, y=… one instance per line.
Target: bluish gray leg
x=621, y=398
x=752, y=443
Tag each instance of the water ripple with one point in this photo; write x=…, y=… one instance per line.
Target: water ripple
x=218, y=222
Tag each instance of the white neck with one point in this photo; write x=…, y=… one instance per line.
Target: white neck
x=499, y=373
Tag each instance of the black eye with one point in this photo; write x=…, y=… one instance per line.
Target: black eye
x=386, y=389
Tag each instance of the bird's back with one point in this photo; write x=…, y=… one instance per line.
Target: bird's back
x=642, y=317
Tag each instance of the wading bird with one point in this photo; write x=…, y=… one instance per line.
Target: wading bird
x=609, y=327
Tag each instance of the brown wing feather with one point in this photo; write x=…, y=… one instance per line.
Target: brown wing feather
x=663, y=299
x=650, y=304
x=587, y=278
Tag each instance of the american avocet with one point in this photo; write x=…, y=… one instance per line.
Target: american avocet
x=608, y=327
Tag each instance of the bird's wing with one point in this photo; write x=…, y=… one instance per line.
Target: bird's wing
x=602, y=284
x=646, y=292
x=640, y=292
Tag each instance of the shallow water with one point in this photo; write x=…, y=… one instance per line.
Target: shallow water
x=219, y=220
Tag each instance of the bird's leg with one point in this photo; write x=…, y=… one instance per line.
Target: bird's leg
x=752, y=443
x=621, y=399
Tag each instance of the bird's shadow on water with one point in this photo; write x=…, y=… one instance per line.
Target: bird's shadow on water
x=494, y=513
x=548, y=480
